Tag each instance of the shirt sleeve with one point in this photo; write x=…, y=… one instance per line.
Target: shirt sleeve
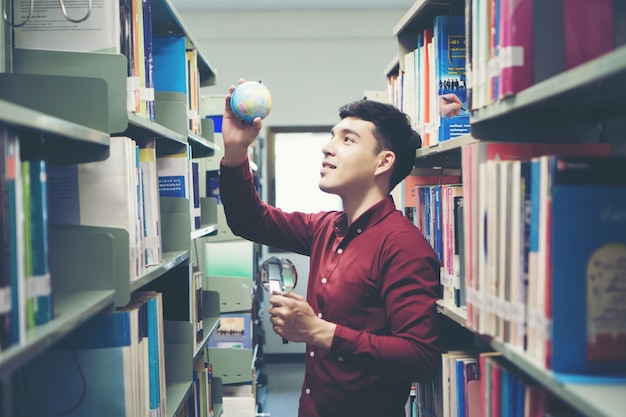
x=409, y=291
x=251, y=218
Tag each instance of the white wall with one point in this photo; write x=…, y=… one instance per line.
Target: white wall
x=313, y=62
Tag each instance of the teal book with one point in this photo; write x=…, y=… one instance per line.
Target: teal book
x=40, y=287
x=587, y=272
x=450, y=75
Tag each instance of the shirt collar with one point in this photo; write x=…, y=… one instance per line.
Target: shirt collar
x=369, y=218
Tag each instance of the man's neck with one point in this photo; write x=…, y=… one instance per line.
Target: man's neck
x=355, y=207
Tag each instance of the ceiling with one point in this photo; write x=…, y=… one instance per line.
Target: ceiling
x=269, y=5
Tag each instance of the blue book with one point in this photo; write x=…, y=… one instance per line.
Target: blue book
x=169, y=64
x=151, y=301
x=450, y=76
x=460, y=387
x=587, y=238
x=89, y=372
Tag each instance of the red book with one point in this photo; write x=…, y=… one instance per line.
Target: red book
x=589, y=30
x=516, y=46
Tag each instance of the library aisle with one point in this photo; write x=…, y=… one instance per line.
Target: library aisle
x=284, y=382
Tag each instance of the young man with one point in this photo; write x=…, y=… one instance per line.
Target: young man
x=369, y=318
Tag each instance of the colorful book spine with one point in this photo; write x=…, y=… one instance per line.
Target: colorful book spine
x=148, y=92
x=5, y=238
x=40, y=287
x=516, y=46
x=16, y=238
x=450, y=49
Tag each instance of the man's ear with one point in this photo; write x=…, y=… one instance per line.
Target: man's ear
x=386, y=161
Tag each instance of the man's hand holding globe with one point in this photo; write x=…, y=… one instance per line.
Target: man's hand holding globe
x=246, y=105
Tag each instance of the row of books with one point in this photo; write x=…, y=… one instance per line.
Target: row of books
x=434, y=203
x=182, y=289
x=120, y=192
x=200, y=402
x=25, y=287
x=432, y=79
x=514, y=44
x=484, y=384
x=543, y=242
x=112, y=365
x=155, y=63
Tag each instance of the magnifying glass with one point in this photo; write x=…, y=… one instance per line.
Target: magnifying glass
x=278, y=275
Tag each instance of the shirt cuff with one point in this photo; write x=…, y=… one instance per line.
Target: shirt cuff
x=345, y=339
x=242, y=170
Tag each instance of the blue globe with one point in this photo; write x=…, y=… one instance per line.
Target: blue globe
x=250, y=100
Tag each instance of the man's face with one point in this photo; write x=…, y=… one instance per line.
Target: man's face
x=350, y=159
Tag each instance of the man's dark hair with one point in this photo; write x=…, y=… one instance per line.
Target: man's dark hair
x=393, y=132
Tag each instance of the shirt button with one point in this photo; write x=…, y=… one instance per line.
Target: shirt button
x=339, y=251
x=324, y=280
x=359, y=230
x=311, y=354
x=340, y=358
x=319, y=315
x=308, y=391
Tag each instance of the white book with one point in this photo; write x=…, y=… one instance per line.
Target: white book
x=102, y=193
x=49, y=29
x=173, y=172
x=151, y=205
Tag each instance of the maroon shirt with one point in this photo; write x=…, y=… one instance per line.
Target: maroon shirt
x=375, y=279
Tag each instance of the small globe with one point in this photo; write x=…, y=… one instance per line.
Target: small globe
x=250, y=100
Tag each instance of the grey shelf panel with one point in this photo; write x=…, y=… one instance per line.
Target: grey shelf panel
x=566, y=105
x=204, y=231
x=170, y=260
x=446, y=154
x=176, y=395
x=166, y=21
x=233, y=365
x=593, y=399
x=200, y=146
x=71, y=309
x=40, y=132
x=168, y=141
x=455, y=313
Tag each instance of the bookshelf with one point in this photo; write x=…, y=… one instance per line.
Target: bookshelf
x=66, y=108
x=579, y=105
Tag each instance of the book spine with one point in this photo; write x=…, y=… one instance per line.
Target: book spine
x=449, y=33
x=41, y=286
